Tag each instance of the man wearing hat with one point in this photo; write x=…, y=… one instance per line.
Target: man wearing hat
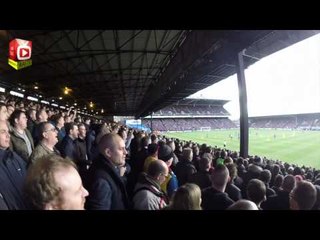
x=170, y=185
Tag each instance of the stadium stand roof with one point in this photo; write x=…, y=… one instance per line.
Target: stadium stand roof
x=135, y=72
x=199, y=102
x=286, y=116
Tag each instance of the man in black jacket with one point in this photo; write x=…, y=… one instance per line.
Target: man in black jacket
x=82, y=162
x=107, y=190
x=68, y=145
x=214, y=197
x=12, y=173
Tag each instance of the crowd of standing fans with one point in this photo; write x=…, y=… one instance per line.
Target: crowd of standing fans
x=52, y=159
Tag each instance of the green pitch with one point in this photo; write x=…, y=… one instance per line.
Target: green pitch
x=299, y=147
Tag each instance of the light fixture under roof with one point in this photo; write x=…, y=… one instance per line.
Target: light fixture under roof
x=32, y=99
x=45, y=102
x=67, y=90
x=13, y=93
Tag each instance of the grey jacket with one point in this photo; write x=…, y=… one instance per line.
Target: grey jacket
x=148, y=194
x=19, y=145
x=40, y=151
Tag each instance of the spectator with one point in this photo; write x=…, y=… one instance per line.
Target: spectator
x=281, y=200
x=58, y=121
x=83, y=162
x=303, y=196
x=175, y=158
x=231, y=189
x=170, y=185
x=187, y=197
x=21, y=139
x=256, y=192
x=107, y=190
x=265, y=176
x=53, y=183
x=10, y=110
x=277, y=183
x=185, y=168
x=243, y=204
x=202, y=177
x=215, y=198
x=31, y=115
x=316, y=205
x=68, y=146
x=3, y=112
x=147, y=193
x=152, y=155
x=48, y=140
x=12, y=173
x=41, y=116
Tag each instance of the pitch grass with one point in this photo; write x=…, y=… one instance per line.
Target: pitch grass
x=299, y=147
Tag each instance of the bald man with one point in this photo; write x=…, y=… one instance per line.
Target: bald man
x=243, y=204
x=303, y=196
x=147, y=193
x=106, y=188
x=214, y=197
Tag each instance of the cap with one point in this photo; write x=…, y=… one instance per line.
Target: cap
x=165, y=153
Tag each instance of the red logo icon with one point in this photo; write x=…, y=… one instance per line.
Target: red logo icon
x=20, y=53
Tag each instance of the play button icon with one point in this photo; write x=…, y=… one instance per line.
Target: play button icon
x=24, y=53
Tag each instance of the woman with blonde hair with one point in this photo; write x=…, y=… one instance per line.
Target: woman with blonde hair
x=187, y=197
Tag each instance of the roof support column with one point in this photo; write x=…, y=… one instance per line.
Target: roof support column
x=151, y=122
x=244, y=131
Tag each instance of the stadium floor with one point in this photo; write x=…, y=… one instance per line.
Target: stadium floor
x=292, y=146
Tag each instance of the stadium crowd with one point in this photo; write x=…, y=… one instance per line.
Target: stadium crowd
x=52, y=159
x=191, y=110
x=299, y=121
x=188, y=124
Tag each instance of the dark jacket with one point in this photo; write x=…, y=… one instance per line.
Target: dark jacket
x=106, y=188
x=3, y=204
x=36, y=133
x=202, y=179
x=90, y=137
x=184, y=169
x=81, y=148
x=233, y=192
x=30, y=125
x=68, y=148
x=277, y=202
x=215, y=200
x=12, y=176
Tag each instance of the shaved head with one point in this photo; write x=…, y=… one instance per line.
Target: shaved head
x=243, y=204
x=113, y=148
x=108, y=141
x=156, y=167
